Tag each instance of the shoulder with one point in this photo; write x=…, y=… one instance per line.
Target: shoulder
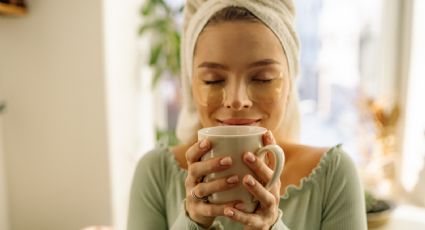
x=339, y=160
x=154, y=164
x=153, y=157
x=340, y=171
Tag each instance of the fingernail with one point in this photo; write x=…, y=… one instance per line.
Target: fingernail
x=240, y=206
x=250, y=181
x=226, y=161
x=203, y=144
x=269, y=136
x=233, y=179
x=250, y=157
x=228, y=212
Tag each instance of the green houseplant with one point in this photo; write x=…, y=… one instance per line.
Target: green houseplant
x=160, y=25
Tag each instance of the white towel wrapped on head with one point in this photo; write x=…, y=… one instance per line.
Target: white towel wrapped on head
x=278, y=15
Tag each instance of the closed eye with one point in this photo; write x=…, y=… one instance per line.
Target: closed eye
x=213, y=82
x=262, y=80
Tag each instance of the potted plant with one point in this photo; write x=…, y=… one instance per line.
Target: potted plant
x=160, y=23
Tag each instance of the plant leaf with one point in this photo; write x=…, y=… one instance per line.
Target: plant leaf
x=154, y=25
x=165, y=52
x=155, y=54
x=156, y=77
x=147, y=8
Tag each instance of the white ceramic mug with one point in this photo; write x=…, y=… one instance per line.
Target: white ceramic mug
x=234, y=141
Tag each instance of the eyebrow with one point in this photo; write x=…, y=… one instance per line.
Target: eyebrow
x=264, y=62
x=214, y=65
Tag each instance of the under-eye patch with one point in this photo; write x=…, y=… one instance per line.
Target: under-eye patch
x=214, y=93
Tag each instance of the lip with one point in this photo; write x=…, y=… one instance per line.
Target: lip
x=238, y=121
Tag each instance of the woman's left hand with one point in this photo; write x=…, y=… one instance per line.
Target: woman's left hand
x=267, y=212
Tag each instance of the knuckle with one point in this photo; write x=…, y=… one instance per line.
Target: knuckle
x=270, y=201
x=200, y=190
x=213, y=165
x=209, y=212
x=257, y=163
x=192, y=171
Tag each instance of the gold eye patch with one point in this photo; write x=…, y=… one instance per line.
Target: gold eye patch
x=259, y=91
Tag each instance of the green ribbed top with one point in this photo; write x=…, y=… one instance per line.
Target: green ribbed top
x=330, y=198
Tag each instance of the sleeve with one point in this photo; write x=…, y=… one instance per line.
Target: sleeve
x=344, y=204
x=147, y=208
x=279, y=225
x=147, y=204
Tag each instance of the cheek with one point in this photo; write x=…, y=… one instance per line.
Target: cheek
x=276, y=111
x=210, y=96
x=269, y=93
x=207, y=99
x=207, y=110
x=205, y=114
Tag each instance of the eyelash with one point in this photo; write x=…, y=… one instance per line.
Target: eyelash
x=213, y=82
x=263, y=81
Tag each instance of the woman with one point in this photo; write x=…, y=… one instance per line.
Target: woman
x=238, y=66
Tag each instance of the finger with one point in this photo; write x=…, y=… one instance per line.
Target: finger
x=246, y=219
x=211, y=210
x=267, y=199
x=199, y=169
x=258, y=167
x=268, y=138
x=196, y=151
x=206, y=189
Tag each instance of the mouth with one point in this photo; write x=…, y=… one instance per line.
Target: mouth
x=238, y=121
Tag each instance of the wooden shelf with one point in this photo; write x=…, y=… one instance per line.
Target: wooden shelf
x=8, y=9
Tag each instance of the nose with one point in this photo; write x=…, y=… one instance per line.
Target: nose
x=236, y=97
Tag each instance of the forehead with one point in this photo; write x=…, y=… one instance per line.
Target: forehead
x=238, y=40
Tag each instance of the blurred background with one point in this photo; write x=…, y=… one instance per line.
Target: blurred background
x=87, y=87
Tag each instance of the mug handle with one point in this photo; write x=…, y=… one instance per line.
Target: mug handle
x=279, y=163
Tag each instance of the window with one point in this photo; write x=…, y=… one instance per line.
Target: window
x=338, y=62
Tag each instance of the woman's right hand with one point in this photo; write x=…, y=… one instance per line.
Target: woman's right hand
x=200, y=210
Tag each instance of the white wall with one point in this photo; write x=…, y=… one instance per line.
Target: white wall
x=131, y=130
x=55, y=128
x=4, y=216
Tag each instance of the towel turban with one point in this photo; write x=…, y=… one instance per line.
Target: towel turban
x=277, y=15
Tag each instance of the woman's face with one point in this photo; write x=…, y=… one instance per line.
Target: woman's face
x=240, y=76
